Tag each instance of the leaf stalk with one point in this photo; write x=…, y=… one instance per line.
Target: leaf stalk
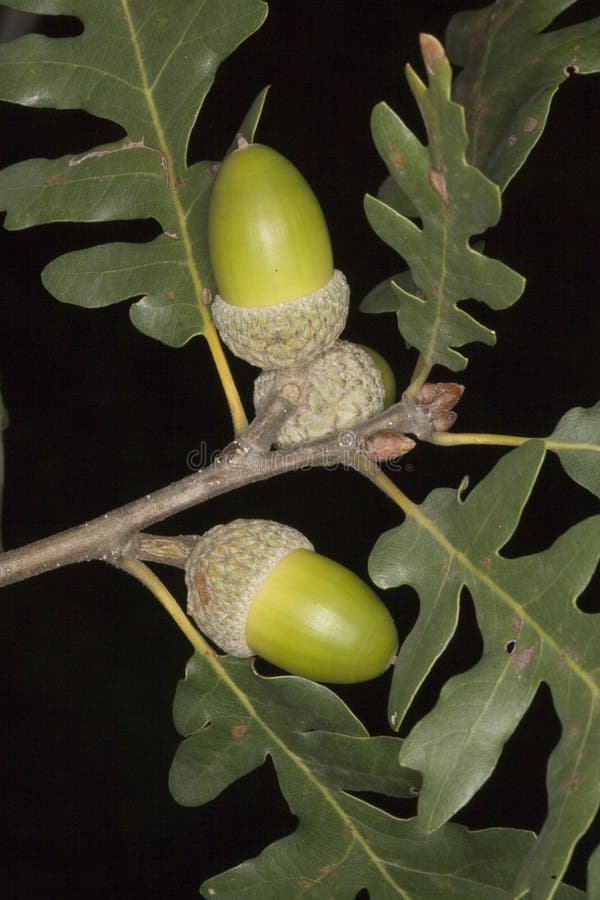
x=146, y=576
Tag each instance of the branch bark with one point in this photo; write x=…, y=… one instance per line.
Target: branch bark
x=246, y=460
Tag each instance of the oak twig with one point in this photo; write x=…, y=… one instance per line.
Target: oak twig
x=246, y=460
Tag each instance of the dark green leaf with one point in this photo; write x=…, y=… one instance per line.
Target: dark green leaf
x=389, y=857
x=532, y=631
x=3, y=424
x=251, y=713
x=511, y=72
x=233, y=719
x=384, y=296
x=327, y=755
x=107, y=274
x=453, y=202
x=594, y=874
x=248, y=127
x=392, y=195
x=576, y=440
x=162, y=63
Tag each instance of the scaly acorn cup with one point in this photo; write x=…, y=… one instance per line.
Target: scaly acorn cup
x=343, y=387
x=280, y=301
x=258, y=587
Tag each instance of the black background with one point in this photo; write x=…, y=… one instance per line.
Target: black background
x=101, y=415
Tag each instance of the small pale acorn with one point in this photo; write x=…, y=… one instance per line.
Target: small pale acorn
x=257, y=587
x=387, y=373
x=280, y=302
x=344, y=386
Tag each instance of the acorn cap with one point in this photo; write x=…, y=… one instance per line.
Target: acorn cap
x=341, y=388
x=225, y=570
x=286, y=334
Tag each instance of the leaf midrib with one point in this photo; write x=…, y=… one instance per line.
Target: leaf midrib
x=413, y=510
x=275, y=739
x=183, y=232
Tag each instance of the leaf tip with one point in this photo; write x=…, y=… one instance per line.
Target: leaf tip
x=432, y=51
x=394, y=719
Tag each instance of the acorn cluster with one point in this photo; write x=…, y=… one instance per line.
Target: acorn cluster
x=281, y=303
x=256, y=586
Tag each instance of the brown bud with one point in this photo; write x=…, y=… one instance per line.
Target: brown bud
x=381, y=446
x=444, y=421
x=440, y=397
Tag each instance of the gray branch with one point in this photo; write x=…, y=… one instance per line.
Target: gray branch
x=246, y=460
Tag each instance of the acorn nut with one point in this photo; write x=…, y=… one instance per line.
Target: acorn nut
x=280, y=301
x=258, y=587
x=387, y=373
x=346, y=385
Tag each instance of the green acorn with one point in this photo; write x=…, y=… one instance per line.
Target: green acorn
x=258, y=587
x=344, y=386
x=280, y=301
x=387, y=373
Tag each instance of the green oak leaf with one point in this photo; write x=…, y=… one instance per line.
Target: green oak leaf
x=532, y=632
x=453, y=202
x=3, y=424
x=162, y=63
x=310, y=718
x=512, y=67
x=392, y=195
x=576, y=440
x=233, y=719
x=594, y=874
